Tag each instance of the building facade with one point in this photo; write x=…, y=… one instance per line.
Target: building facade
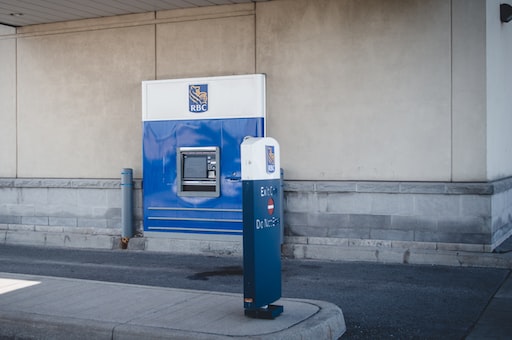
x=392, y=117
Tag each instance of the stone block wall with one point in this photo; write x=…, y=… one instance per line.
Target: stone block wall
x=72, y=203
x=383, y=221
x=501, y=207
x=456, y=216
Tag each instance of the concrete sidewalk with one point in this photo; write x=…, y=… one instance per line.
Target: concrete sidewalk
x=39, y=307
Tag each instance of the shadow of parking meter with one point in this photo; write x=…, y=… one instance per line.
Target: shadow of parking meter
x=261, y=186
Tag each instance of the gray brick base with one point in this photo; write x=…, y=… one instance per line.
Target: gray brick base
x=70, y=203
x=476, y=216
x=383, y=221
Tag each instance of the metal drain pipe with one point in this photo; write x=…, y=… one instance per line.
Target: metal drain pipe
x=127, y=207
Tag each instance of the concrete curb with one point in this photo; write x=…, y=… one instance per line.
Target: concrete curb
x=60, y=308
x=454, y=258
x=328, y=323
x=19, y=325
x=295, y=247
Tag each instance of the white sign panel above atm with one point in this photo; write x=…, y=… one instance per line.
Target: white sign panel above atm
x=204, y=98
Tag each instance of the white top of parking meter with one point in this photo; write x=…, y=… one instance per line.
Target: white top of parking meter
x=260, y=158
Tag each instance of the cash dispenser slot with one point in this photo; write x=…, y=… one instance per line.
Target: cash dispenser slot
x=198, y=171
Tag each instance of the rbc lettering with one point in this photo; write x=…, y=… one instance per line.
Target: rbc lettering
x=198, y=98
x=198, y=107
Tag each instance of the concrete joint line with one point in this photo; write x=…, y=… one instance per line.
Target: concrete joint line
x=135, y=23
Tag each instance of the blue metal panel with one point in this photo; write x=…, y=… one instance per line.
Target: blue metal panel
x=262, y=242
x=164, y=210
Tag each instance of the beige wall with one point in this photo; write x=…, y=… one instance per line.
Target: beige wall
x=79, y=83
x=356, y=90
x=210, y=42
x=79, y=100
x=7, y=102
x=469, y=91
x=499, y=93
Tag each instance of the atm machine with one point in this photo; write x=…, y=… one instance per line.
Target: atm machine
x=192, y=132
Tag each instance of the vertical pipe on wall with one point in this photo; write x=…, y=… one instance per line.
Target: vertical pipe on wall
x=127, y=207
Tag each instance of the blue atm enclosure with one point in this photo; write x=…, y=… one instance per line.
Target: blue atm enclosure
x=192, y=132
x=261, y=179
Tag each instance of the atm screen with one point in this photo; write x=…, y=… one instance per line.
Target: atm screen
x=195, y=166
x=197, y=171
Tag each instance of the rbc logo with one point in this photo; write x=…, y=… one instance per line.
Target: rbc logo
x=271, y=159
x=198, y=98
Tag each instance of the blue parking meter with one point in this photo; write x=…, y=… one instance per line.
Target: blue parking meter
x=261, y=195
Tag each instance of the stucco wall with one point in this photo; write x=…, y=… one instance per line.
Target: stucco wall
x=499, y=93
x=79, y=99
x=469, y=147
x=7, y=102
x=210, y=41
x=357, y=90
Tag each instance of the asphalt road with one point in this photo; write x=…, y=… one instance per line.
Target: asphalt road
x=378, y=301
